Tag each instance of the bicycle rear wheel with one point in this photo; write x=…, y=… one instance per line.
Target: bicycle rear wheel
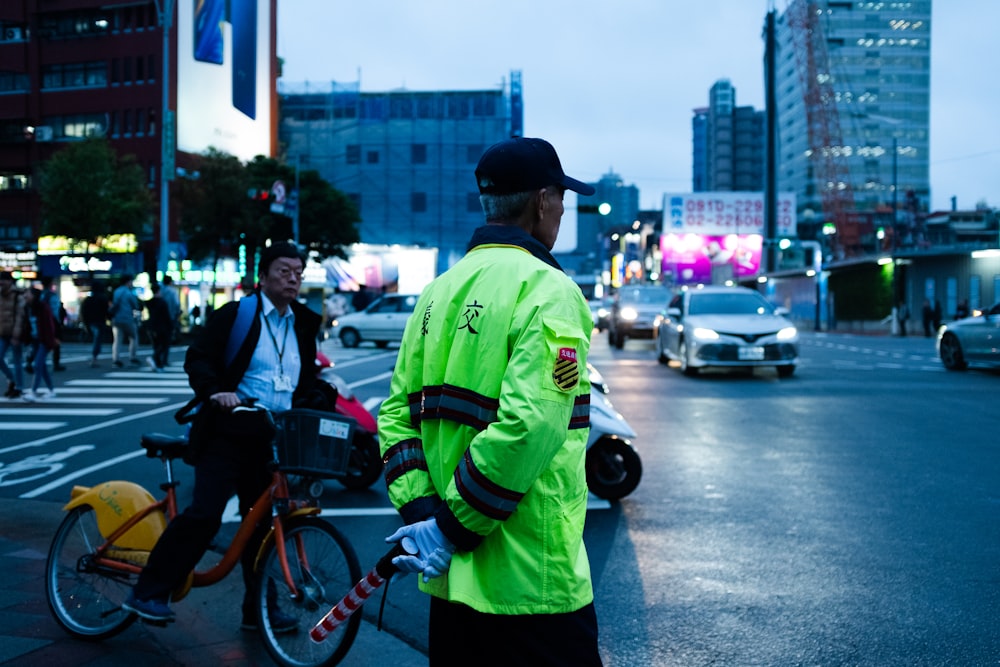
x=324, y=567
x=85, y=600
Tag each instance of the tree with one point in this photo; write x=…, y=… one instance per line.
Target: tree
x=88, y=193
x=327, y=217
x=214, y=208
x=218, y=213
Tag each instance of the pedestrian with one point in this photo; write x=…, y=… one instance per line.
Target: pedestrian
x=962, y=310
x=13, y=325
x=123, y=310
x=161, y=329
x=927, y=317
x=485, y=429
x=274, y=363
x=51, y=296
x=94, y=313
x=936, y=315
x=43, y=330
x=173, y=301
x=903, y=314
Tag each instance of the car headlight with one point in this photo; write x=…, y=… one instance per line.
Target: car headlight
x=629, y=313
x=788, y=333
x=704, y=334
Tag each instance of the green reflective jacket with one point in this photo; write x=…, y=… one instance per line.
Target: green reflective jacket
x=489, y=411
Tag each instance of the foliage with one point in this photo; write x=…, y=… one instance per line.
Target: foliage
x=218, y=213
x=214, y=208
x=862, y=293
x=89, y=193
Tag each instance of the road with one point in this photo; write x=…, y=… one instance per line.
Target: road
x=845, y=516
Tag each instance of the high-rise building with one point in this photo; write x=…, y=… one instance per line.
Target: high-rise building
x=853, y=96
x=728, y=144
x=406, y=158
x=73, y=69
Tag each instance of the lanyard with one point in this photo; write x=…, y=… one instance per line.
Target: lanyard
x=274, y=341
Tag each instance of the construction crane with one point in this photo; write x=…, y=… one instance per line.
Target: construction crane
x=826, y=149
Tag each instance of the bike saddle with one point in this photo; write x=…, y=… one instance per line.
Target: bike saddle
x=159, y=445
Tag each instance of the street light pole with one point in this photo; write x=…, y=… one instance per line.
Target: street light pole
x=165, y=9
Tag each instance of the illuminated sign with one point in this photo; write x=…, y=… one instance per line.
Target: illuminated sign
x=58, y=245
x=695, y=258
x=719, y=213
x=224, y=76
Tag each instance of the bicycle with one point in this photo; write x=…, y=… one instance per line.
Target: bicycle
x=104, y=541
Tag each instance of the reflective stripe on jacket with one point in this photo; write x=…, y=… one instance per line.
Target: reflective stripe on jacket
x=489, y=411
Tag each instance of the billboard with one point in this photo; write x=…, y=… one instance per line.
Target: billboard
x=224, y=60
x=719, y=213
x=709, y=258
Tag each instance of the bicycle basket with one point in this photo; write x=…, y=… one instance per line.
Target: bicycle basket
x=313, y=443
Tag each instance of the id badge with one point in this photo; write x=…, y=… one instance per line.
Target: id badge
x=282, y=383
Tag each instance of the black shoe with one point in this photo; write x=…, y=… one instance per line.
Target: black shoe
x=118, y=364
x=281, y=622
x=10, y=390
x=157, y=611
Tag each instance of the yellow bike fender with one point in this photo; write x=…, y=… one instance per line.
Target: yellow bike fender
x=113, y=504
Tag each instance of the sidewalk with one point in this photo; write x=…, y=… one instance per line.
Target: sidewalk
x=206, y=633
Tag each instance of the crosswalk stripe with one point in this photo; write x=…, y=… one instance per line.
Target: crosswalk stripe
x=60, y=412
x=127, y=383
x=119, y=400
x=30, y=426
x=141, y=389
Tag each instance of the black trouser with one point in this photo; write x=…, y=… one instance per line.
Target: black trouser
x=161, y=347
x=224, y=468
x=460, y=635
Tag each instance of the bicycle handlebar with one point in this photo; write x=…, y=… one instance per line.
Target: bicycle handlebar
x=357, y=596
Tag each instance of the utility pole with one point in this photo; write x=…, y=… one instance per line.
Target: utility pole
x=771, y=179
x=165, y=9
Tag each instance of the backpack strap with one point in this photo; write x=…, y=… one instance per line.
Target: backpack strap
x=241, y=326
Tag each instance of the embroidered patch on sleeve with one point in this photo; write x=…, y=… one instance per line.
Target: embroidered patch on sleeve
x=566, y=374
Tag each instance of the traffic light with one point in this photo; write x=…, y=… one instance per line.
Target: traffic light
x=259, y=194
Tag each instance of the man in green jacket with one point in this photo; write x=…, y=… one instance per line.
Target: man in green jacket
x=485, y=429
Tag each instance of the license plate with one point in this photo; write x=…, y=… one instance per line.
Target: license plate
x=755, y=353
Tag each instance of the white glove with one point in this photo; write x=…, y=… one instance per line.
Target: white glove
x=434, y=550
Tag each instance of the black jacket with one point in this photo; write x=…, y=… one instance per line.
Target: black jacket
x=205, y=363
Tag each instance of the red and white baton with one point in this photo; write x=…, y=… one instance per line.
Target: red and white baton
x=362, y=590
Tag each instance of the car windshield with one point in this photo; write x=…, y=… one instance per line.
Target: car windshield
x=729, y=304
x=639, y=295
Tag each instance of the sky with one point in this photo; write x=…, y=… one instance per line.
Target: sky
x=612, y=85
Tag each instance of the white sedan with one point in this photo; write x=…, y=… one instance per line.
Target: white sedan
x=731, y=327
x=382, y=322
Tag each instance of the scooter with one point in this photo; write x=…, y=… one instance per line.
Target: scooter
x=613, y=465
x=365, y=463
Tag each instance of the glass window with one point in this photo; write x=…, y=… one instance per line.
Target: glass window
x=418, y=154
x=975, y=292
x=353, y=154
x=372, y=157
x=418, y=202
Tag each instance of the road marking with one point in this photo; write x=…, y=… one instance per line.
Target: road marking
x=142, y=389
x=96, y=427
x=374, y=378
x=80, y=473
x=232, y=513
x=103, y=400
x=60, y=412
x=30, y=426
x=128, y=384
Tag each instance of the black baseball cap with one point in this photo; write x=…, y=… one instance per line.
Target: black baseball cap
x=522, y=164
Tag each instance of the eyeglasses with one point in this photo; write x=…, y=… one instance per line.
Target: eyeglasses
x=285, y=273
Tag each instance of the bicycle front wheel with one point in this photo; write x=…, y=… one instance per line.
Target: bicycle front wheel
x=85, y=599
x=324, y=567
